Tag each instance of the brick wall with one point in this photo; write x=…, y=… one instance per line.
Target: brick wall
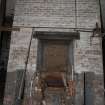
x=88, y=54
x=56, y=13
x=61, y=13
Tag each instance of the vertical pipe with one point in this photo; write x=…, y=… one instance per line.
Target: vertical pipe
x=101, y=19
x=84, y=89
x=103, y=39
x=76, y=14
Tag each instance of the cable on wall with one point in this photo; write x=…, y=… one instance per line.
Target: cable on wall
x=76, y=14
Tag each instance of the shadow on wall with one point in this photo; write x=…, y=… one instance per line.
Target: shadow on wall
x=6, y=16
x=4, y=55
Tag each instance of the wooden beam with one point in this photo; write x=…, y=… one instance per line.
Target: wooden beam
x=57, y=35
x=9, y=29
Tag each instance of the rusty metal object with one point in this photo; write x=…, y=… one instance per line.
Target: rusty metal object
x=71, y=88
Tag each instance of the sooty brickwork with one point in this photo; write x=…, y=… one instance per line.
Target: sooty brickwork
x=59, y=14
